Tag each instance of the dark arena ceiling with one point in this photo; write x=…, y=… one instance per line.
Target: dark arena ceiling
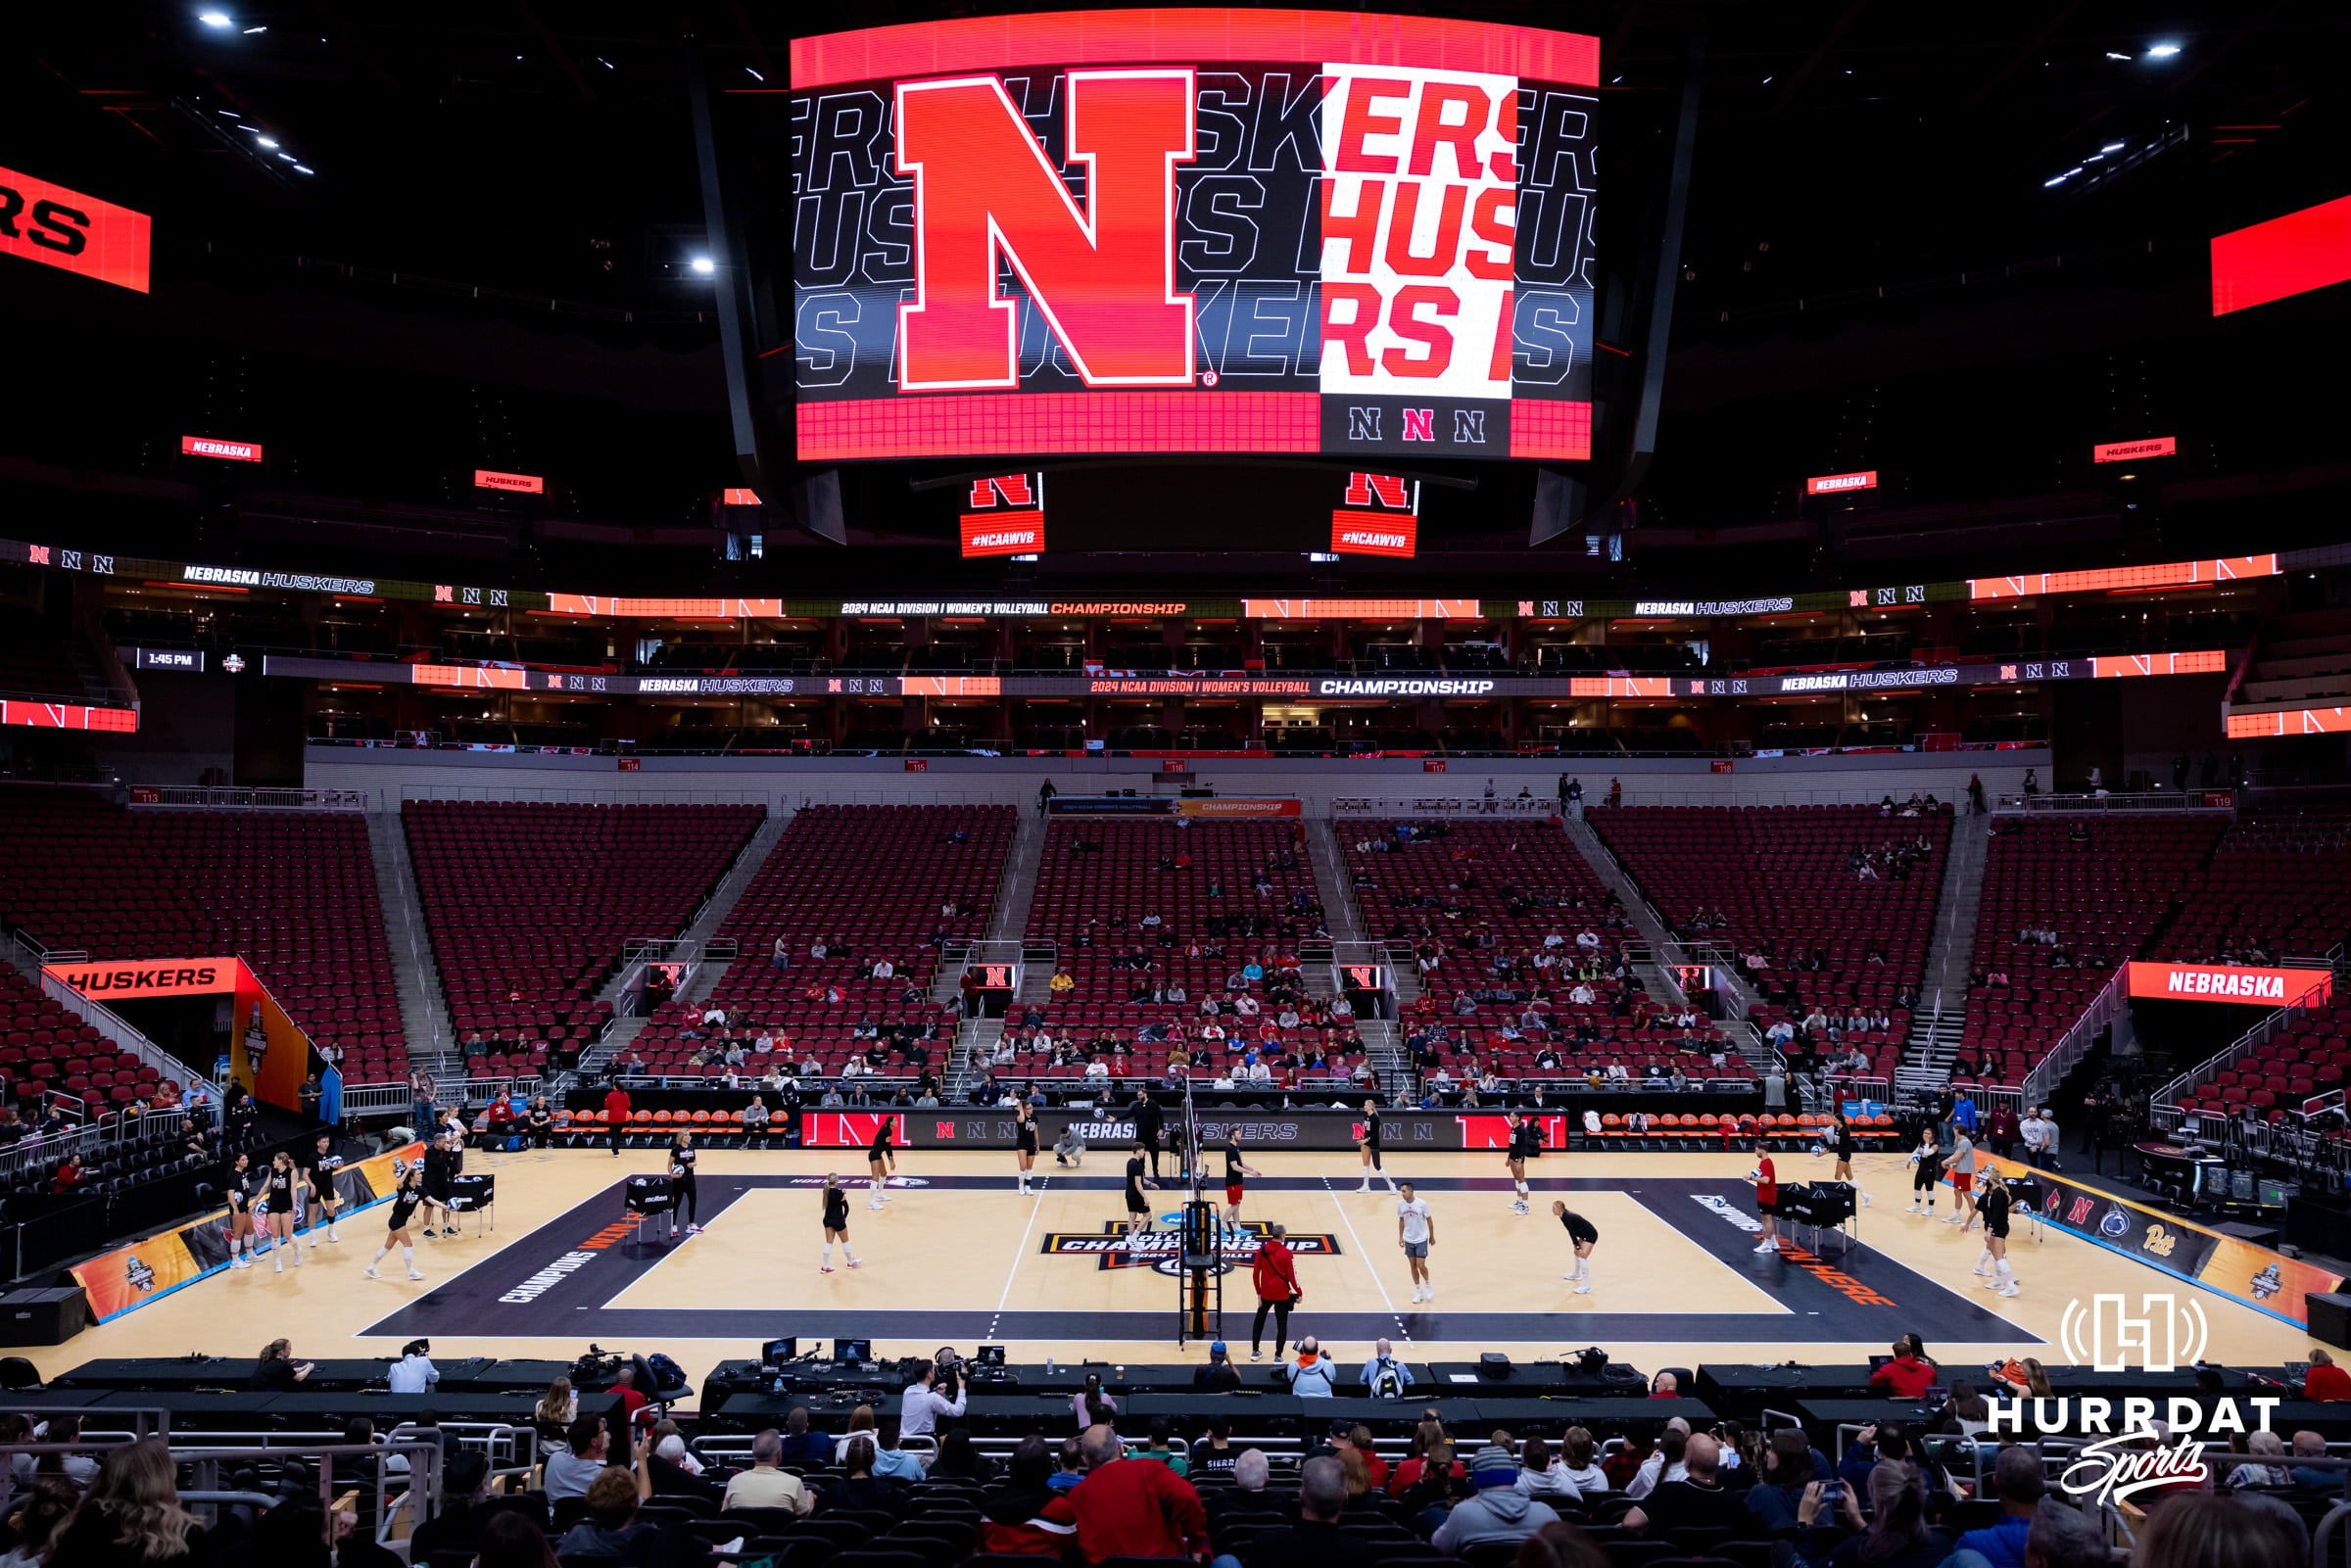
x=1954, y=246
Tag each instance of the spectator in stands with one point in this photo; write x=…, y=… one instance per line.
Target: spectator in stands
x=554, y=1413
x=276, y=1371
x=921, y=1405
x=803, y=1444
x=612, y=1525
x=1497, y=1511
x=2326, y=1381
x=1245, y=1505
x=1670, y=1461
x=420, y=1101
x=1776, y=1499
x=1159, y=1433
x=38, y=1512
x=859, y=1489
x=570, y=1472
x=458, y=1527
x=2018, y=1479
x=766, y=1485
x=1314, y=1540
x=2258, y=1471
x=1129, y=1509
x=1543, y=1472
x=1899, y=1536
x=132, y=1517
x=2308, y=1445
x=1698, y=1501
x=1384, y=1376
x=414, y=1372
x=1908, y=1375
x=1090, y=1400
x=1027, y=1516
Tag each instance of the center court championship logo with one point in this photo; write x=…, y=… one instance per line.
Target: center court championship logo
x=2130, y=1452
x=1161, y=1251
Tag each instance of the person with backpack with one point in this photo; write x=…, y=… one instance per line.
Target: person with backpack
x=1384, y=1376
x=1313, y=1374
x=1275, y=1273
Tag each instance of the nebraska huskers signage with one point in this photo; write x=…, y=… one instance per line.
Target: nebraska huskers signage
x=1193, y=231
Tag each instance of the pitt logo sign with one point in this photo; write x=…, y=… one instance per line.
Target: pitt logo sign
x=1104, y=274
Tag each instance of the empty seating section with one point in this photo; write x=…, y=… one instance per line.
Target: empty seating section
x=46, y=1049
x=2309, y=1056
x=870, y=882
x=1470, y=895
x=2280, y=883
x=293, y=893
x=1785, y=883
x=2105, y=895
x=1240, y=892
x=529, y=903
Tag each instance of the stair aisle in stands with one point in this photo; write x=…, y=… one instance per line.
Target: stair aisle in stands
x=721, y=904
x=422, y=1017
x=1340, y=911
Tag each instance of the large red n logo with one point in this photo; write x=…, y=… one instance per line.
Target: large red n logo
x=1105, y=278
x=1392, y=490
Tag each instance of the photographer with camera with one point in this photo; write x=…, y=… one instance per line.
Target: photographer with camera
x=927, y=1398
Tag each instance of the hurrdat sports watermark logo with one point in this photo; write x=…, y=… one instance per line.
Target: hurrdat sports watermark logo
x=2129, y=1455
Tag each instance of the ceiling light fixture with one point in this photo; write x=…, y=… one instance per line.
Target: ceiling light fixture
x=754, y=76
x=703, y=266
x=215, y=18
x=2116, y=54
x=2111, y=147
x=266, y=142
x=304, y=169
x=2162, y=51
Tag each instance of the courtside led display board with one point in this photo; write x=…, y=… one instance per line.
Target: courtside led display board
x=1193, y=230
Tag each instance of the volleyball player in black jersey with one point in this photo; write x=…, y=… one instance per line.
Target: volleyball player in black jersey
x=1138, y=1206
x=1023, y=1147
x=837, y=1224
x=1992, y=1207
x=1844, y=1144
x=1526, y=1143
x=278, y=1203
x=236, y=1186
x=319, y=1180
x=881, y=1159
x=681, y=1180
x=1234, y=1187
x=439, y=1171
x=406, y=1199
x=1583, y=1236
x=1366, y=1142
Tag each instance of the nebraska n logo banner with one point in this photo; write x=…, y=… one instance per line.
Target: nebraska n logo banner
x=1193, y=231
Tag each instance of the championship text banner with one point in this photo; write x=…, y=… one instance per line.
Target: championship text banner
x=1149, y=231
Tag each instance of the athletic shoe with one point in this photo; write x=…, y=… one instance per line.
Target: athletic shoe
x=1980, y=1269
x=412, y=1274
x=825, y=1268
x=1914, y=1210
x=1950, y=1220
x=854, y=1262
x=371, y=1273
x=1767, y=1246
x=1865, y=1199
x=1429, y=1295
x=1583, y=1290
x=1366, y=1187
x=1989, y=1281
x=2008, y=1290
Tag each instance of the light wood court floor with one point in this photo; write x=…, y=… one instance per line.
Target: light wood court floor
x=957, y=1257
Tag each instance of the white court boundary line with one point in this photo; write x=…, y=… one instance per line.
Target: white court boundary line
x=1019, y=1253
x=1364, y=1253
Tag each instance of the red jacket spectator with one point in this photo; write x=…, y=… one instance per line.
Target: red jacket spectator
x=1138, y=1508
x=1027, y=1523
x=1275, y=1273
x=2327, y=1382
x=1906, y=1377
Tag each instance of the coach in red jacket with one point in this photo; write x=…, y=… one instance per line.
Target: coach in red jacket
x=1275, y=1273
x=1908, y=1375
x=1134, y=1507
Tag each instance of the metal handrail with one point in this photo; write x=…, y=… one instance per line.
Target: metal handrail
x=2111, y=1001
x=226, y=799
